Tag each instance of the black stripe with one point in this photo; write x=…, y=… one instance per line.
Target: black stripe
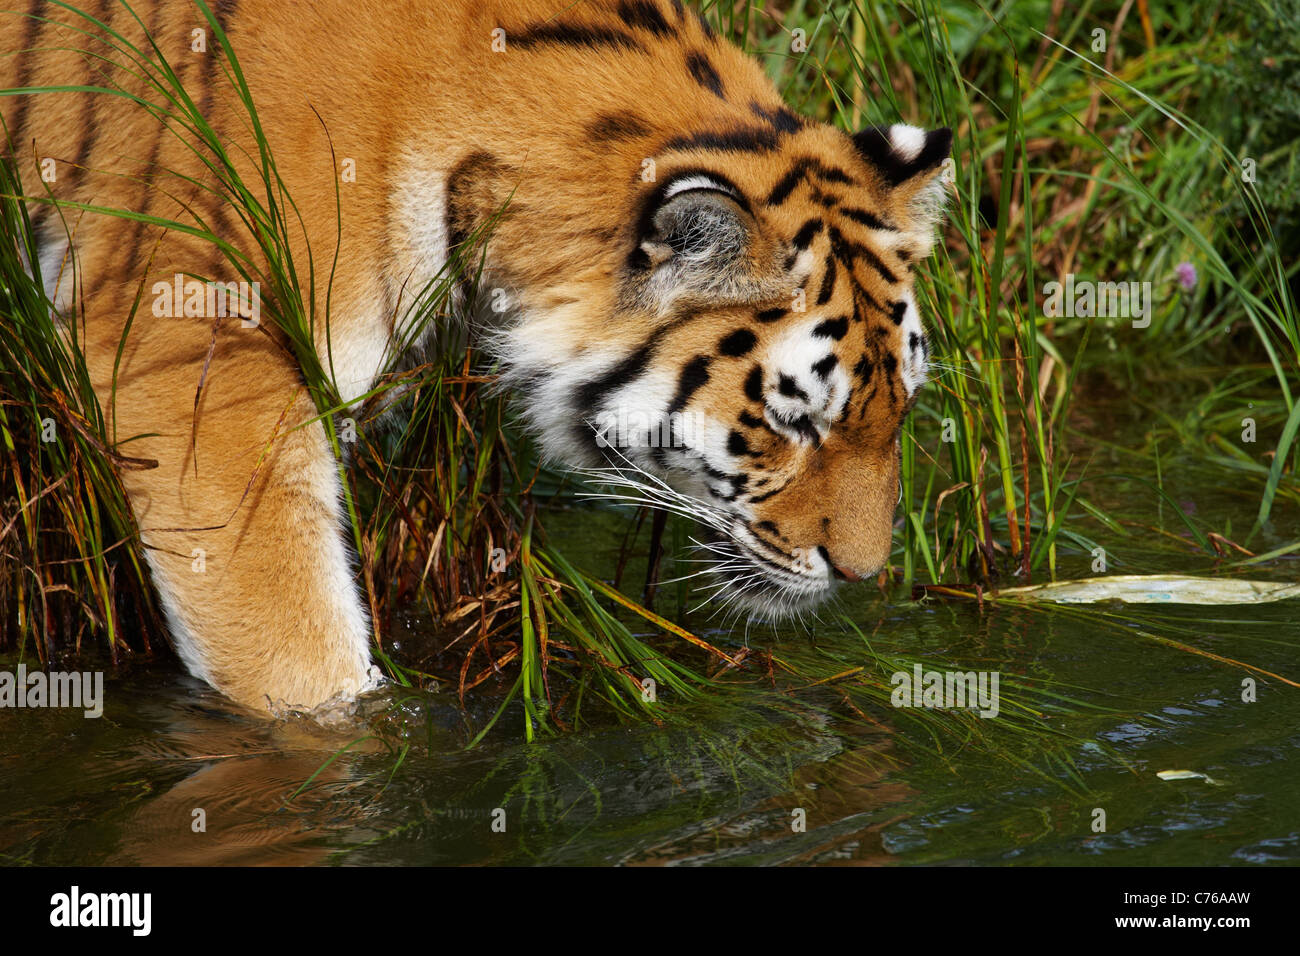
x=224, y=11
x=602, y=234
x=828, y=282
x=807, y=232
x=787, y=183
x=738, y=481
x=221, y=218
x=832, y=328
x=132, y=249
x=891, y=370
x=769, y=545
x=90, y=130
x=562, y=34
x=867, y=219
x=31, y=35
x=738, y=343
x=754, y=421
x=787, y=386
x=824, y=199
x=771, y=315
x=781, y=117
x=462, y=217
x=866, y=401
x=693, y=376
x=741, y=139
x=737, y=445
x=761, y=498
x=26, y=68
x=704, y=73
x=615, y=126
x=877, y=147
x=629, y=369
x=645, y=15
x=849, y=252
x=831, y=174
x=757, y=556
x=824, y=366
x=863, y=294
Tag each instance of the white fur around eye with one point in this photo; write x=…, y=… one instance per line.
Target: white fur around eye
x=686, y=184
x=793, y=355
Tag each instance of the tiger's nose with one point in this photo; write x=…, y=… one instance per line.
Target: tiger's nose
x=840, y=571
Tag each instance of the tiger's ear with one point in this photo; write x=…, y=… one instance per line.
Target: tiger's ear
x=910, y=162
x=901, y=153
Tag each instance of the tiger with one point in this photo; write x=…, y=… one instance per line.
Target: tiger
x=672, y=245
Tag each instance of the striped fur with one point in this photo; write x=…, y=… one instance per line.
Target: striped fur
x=677, y=247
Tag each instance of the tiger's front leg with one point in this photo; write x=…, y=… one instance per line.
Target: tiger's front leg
x=242, y=521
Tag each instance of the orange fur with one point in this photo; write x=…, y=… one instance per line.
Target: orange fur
x=446, y=126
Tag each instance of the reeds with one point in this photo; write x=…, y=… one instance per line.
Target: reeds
x=1075, y=152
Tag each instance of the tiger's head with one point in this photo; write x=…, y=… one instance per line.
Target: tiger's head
x=707, y=301
x=758, y=350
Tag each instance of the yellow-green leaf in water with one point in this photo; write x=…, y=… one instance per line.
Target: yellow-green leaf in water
x=1187, y=775
x=1155, y=589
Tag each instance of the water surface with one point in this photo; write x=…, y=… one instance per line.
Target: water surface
x=707, y=789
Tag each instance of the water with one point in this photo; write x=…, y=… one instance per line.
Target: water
x=128, y=787
x=124, y=788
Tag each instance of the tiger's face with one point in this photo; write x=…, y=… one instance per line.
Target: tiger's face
x=751, y=353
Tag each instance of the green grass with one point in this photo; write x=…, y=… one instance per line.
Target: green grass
x=1110, y=165
x=1065, y=160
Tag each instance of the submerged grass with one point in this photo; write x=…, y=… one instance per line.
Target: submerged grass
x=1067, y=159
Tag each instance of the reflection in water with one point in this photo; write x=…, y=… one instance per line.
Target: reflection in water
x=123, y=788
x=247, y=816
x=174, y=775
x=833, y=813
